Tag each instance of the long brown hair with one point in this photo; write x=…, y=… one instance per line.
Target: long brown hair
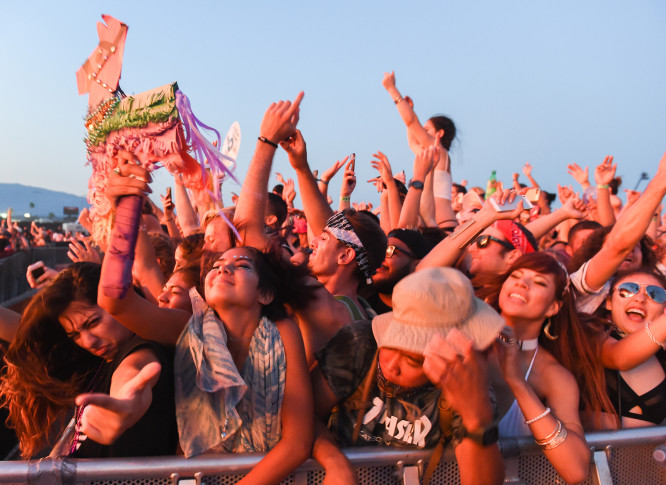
x=45, y=369
x=578, y=344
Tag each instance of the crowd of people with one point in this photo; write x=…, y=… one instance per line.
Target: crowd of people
x=449, y=316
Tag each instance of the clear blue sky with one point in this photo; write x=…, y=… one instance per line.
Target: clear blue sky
x=547, y=82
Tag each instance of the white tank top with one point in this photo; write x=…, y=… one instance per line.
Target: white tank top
x=513, y=422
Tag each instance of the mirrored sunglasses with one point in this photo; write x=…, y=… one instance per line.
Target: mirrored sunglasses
x=628, y=289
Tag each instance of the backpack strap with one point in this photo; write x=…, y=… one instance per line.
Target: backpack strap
x=360, y=399
x=445, y=418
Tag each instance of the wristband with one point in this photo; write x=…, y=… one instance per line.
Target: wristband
x=603, y=186
x=344, y=199
x=398, y=99
x=441, y=184
x=325, y=182
x=263, y=139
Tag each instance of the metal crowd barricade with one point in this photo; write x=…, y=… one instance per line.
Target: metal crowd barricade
x=620, y=457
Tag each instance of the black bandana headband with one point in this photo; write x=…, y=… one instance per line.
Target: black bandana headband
x=343, y=231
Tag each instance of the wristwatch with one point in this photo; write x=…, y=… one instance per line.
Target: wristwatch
x=417, y=184
x=485, y=436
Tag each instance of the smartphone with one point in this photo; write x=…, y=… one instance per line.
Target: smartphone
x=533, y=195
x=509, y=206
x=37, y=272
x=168, y=194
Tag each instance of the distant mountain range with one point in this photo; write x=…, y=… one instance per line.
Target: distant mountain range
x=36, y=201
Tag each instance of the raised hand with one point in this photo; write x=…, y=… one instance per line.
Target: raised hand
x=44, y=279
x=333, y=169
x=280, y=120
x=452, y=364
x=105, y=418
x=83, y=250
x=604, y=173
x=128, y=178
x=297, y=150
x=565, y=192
x=581, y=176
x=349, y=179
x=280, y=178
x=383, y=166
x=167, y=204
x=289, y=192
x=389, y=80
x=425, y=161
x=575, y=208
x=527, y=169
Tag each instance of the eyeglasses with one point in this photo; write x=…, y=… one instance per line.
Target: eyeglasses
x=390, y=250
x=628, y=290
x=483, y=241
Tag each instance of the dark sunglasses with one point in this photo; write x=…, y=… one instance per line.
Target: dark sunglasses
x=628, y=289
x=483, y=241
x=390, y=250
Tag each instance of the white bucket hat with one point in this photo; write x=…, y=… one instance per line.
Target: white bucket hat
x=434, y=301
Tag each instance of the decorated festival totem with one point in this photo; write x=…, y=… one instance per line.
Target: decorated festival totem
x=158, y=128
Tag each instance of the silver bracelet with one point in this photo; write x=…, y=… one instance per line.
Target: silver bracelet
x=652, y=337
x=542, y=415
x=556, y=441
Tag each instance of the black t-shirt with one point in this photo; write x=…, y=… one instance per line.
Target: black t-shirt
x=156, y=433
x=407, y=418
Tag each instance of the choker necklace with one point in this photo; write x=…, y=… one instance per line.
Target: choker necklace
x=529, y=344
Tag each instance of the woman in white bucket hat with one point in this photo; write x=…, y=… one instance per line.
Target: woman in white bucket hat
x=430, y=346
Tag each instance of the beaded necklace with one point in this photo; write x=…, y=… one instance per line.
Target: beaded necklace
x=79, y=411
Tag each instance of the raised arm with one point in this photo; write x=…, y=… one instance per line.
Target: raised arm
x=279, y=124
x=573, y=208
x=423, y=165
x=414, y=128
x=603, y=176
x=636, y=348
x=329, y=174
x=447, y=252
x=316, y=208
x=392, y=195
x=187, y=216
x=627, y=231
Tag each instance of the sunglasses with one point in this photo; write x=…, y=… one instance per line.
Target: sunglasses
x=628, y=289
x=390, y=250
x=483, y=241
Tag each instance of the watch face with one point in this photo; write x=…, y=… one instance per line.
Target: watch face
x=417, y=185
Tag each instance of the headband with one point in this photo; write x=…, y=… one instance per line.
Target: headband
x=515, y=235
x=344, y=232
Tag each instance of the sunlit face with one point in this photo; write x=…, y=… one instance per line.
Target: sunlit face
x=630, y=313
x=402, y=368
x=489, y=260
x=326, y=251
x=92, y=328
x=176, y=294
x=529, y=295
x=394, y=268
x=234, y=281
x=216, y=236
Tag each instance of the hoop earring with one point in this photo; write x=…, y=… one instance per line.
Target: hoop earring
x=546, y=331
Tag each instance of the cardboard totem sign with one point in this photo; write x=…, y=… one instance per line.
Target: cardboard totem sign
x=157, y=127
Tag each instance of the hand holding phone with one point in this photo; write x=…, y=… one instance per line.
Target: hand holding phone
x=510, y=206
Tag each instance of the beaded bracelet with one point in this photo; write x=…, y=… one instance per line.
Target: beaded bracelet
x=542, y=415
x=652, y=337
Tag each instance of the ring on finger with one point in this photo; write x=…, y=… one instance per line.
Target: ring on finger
x=117, y=170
